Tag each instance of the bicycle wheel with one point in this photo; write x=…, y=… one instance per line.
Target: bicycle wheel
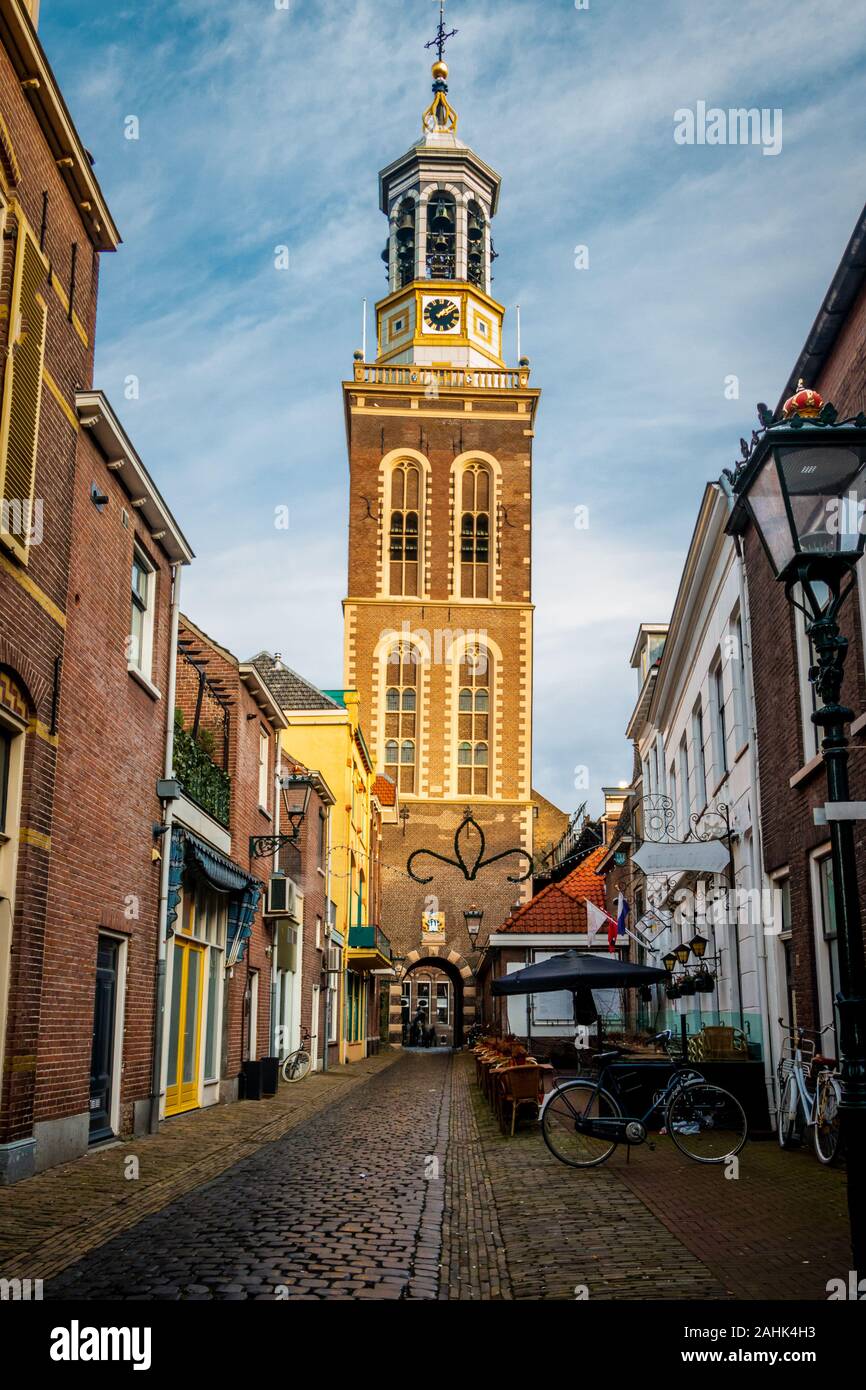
x=706, y=1123
x=566, y=1104
x=788, y=1131
x=296, y=1067
x=826, y=1129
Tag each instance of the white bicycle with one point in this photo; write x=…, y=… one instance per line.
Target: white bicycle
x=810, y=1092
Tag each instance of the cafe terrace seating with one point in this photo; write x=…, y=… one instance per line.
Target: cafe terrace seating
x=510, y=1080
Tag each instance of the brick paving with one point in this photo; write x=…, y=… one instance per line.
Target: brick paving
x=344, y=1206
x=56, y=1217
x=390, y=1180
x=571, y=1234
x=779, y=1230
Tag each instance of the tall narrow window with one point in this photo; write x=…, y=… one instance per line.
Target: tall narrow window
x=264, y=747
x=441, y=237
x=473, y=724
x=721, y=723
x=475, y=532
x=401, y=702
x=22, y=393
x=140, y=656
x=476, y=231
x=699, y=756
x=685, y=798
x=405, y=528
x=738, y=678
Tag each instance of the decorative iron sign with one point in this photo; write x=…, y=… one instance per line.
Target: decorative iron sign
x=468, y=858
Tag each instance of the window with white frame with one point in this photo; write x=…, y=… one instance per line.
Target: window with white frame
x=826, y=943
x=675, y=802
x=738, y=681
x=785, y=948
x=685, y=800
x=720, y=722
x=140, y=644
x=700, y=760
x=805, y=661
x=264, y=759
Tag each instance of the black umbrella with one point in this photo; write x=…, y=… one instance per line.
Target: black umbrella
x=580, y=972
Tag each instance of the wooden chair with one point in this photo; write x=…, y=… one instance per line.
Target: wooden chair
x=519, y=1086
x=718, y=1043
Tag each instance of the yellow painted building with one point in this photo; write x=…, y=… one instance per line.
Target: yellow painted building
x=324, y=733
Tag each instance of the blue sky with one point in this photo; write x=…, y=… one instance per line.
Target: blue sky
x=262, y=127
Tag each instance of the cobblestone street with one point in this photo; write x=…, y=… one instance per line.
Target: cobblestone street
x=396, y=1183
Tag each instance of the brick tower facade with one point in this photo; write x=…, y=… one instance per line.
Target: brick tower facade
x=438, y=618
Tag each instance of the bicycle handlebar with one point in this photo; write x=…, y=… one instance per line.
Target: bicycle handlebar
x=801, y=1028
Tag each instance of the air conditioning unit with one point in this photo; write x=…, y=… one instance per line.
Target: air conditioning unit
x=284, y=899
x=286, y=942
x=334, y=965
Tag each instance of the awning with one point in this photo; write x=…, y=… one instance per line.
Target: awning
x=189, y=853
x=220, y=872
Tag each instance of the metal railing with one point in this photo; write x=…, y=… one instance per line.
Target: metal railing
x=369, y=938
x=476, y=378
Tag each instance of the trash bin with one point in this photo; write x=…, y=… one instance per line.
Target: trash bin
x=251, y=1081
x=270, y=1075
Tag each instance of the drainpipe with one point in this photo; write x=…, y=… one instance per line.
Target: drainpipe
x=757, y=840
x=327, y=976
x=165, y=840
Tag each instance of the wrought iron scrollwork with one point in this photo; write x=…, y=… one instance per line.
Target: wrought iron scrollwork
x=469, y=859
x=713, y=823
x=659, y=818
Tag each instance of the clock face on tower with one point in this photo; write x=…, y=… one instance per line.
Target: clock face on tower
x=442, y=315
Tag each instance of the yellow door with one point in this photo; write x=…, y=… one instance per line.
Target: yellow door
x=184, y=1038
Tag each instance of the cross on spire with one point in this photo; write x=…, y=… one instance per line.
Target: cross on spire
x=442, y=35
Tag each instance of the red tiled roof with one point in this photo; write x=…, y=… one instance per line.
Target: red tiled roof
x=560, y=906
x=584, y=882
x=385, y=789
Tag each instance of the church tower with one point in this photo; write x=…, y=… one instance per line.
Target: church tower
x=438, y=618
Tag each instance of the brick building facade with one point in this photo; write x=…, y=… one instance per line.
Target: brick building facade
x=54, y=224
x=792, y=777
x=240, y=979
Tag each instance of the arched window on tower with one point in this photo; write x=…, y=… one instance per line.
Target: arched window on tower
x=401, y=713
x=405, y=240
x=404, y=539
x=473, y=723
x=475, y=532
x=441, y=237
x=476, y=230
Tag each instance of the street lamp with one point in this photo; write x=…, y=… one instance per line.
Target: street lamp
x=698, y=946
x=669, y=961
x=682, y=952
x=472, y=917
x=803, y=483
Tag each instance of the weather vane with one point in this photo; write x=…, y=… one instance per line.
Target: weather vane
x=442, y=36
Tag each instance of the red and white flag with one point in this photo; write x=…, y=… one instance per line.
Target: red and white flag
x=599, y=920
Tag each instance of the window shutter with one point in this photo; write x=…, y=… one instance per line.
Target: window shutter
x=22, y=391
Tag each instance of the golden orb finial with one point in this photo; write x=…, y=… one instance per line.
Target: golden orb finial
x=440, y=71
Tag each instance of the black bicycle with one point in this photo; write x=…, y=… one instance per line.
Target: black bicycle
x=583, y=1121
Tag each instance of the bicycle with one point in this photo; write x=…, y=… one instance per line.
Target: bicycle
x=298, y=1063
x=801, y=1108
x=582, y=1121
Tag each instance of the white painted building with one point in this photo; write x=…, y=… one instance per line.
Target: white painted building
x=694, y=730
